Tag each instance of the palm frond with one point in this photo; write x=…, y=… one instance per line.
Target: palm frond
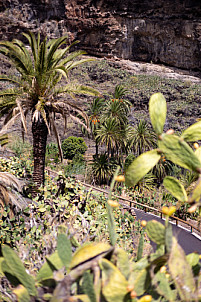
x=52, y=55
x=72, y=56
x=4, y=140
x=77, y=89
x=23, y=119
x=41, y=63
x=10, y=92
x=9, y=123
x=40, y=111
x=16, y=56
x=33, y=43
x=12, y=79
x=9, y=180
x=10, y=189
x=77, y=63
x=28, y=60
x=77, y=120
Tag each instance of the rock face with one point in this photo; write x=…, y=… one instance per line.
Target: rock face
x=161, y=31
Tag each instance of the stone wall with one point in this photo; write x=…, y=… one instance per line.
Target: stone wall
x=167, y=32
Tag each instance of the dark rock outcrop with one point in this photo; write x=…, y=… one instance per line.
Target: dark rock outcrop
x=161, y=31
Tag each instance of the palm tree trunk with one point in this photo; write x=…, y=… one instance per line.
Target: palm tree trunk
x=39, y=132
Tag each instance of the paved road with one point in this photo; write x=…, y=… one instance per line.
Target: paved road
x=187, y=240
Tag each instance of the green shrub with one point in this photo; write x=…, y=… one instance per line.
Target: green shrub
x=52, y=153
x=73, y=146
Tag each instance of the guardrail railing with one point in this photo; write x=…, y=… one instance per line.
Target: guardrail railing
x=130, y=204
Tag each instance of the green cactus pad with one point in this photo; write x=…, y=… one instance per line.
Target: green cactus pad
x=17, y=268
x=157, y=111
x=198, y=153
x=163, y=286
x=114, y=284
x=156, y=232
x=175, y=188
x=89, y=251
x=181, y=272
x=64, y=249
x=141, y=166
x=192, y=133
x=179, y=152
x=121, y=260
x=46, y=272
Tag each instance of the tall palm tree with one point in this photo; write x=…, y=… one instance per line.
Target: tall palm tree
x=141, y=138
x=36, y=87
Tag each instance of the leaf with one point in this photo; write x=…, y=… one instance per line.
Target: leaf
x=175, y=188
x=64, y=250
x=181, y=273
x=114, y=284
x=22, y=294
x=198, y=153
x=88, y=286
x=156, y=231
x=122, y=262
x=192, y=133
x=179, y=152
x=141, y=166
x=88, y=251
x=193, y=259
x=196, y=194
x=140, y=279
x=1, y=271
x=46, y=271
x=17, y=268
x=157, y=111
x=163, y=286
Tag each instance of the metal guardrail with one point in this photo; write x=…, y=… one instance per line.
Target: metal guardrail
x=130, y=204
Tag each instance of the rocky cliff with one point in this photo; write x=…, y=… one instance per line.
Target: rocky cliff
x=160, y=31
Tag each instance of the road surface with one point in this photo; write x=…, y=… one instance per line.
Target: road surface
x=188, y=241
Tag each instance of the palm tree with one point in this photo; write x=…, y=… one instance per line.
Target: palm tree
x=110, y=134
x=37, y=88
x=95, y=111
x=141, y=138
x=102, y=168
x=117, y=107
x=114, y=110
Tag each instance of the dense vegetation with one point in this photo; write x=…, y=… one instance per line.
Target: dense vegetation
x=77, y=244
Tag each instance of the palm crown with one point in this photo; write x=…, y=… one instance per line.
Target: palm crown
x=37, y=88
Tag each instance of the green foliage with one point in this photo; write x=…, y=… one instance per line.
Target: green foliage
x=98, y=270
x=141, y=138
x=102, y=168
x=73, y=146
x=52, y=153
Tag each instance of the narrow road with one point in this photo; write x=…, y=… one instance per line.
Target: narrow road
x=187, y=240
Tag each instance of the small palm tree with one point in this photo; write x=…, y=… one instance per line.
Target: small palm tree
x=110, y=134
x=37, y=88
x=141, y=138
x=102, y=169
x=115, y=110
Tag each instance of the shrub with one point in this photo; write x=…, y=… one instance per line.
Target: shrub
x=52, y=153
x=73, y=146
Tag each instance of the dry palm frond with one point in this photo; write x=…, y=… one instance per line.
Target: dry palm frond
x=10, y=189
